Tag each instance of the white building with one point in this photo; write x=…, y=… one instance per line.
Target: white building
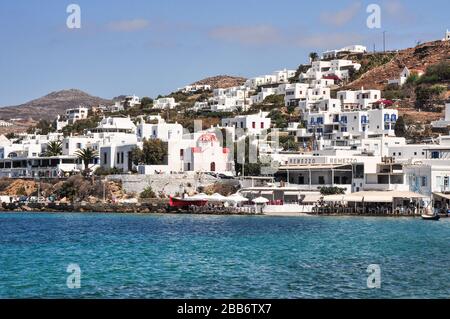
x=404, y=75
x=339, y=69
x=159, y=130
x=251, y=124
x=194, y=153
x=165, y=103
x=358, y=100
x=260, y=96
x=80, y=113
x=445, y=122
x=5, y=124
x=277, y=77
x=127, y=102
x=195, y=88
x=447, y=36
x=348, y=49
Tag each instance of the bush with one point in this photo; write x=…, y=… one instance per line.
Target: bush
x=100, y=171
x=147, y=193
x=436, y=73
x=79, y=188
x=332, y=190
x=426, y=95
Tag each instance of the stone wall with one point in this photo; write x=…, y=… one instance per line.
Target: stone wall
x=169, y=184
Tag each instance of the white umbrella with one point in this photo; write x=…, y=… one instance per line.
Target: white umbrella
x=216, y=197
x=260, y=200
x=237, y=198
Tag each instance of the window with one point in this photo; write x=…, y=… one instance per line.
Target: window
x=393, y=154
x=321, y=180
x=78, y=145
x=182, y=152
x=253, y=124
x=105, y=158
x=118, y=158
x=262, y=124
x=435, y=154
x=415, y=153
x=424, y=181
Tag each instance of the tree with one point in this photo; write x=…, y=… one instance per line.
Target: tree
x=42, y=127
x=54, y=148
x=87, y=155
x=313, y=56
x=153, y=152
x=146, y=102
x=400, y=127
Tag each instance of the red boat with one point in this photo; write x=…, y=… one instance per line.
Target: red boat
x=186, y=202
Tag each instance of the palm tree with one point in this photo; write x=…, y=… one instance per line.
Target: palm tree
x=313, y=56
x=54, y=148
x=86, y=155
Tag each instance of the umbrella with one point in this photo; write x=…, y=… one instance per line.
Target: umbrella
x=260, y=200
x=216, y=197
x=237, y=198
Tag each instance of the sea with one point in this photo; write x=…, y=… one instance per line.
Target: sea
x=98, y=255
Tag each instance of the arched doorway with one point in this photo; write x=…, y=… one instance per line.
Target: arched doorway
x=213, y=167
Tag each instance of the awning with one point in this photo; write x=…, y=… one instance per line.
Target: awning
x=381, y=196
x=266, y=192
x=311, y=198
x=446, y=196
x=292, y=193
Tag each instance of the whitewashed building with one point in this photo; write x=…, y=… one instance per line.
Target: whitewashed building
x=165, y=103
x=330, y=54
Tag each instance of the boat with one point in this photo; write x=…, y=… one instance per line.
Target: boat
x=430, y=217
x=186, y=202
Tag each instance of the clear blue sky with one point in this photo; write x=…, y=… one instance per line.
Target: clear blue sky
x=153, y=47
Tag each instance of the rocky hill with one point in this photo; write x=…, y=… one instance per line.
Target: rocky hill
x=221, y=81
x=419, y=57
x=47, y=107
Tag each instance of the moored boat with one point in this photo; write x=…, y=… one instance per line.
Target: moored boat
x=430, y=217
x=186, y=202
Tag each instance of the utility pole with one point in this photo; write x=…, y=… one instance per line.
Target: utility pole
x=384, y=41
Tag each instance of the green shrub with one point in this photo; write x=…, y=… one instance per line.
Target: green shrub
x=332, y=190
x=100, y=171
x=147, y=193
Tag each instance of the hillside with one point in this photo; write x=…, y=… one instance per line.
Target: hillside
x=47, y=107
x=221, y=81
x=419, y=57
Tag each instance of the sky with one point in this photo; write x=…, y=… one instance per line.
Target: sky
x=149, y=47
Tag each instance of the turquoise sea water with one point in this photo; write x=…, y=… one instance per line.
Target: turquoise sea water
x=183, y=256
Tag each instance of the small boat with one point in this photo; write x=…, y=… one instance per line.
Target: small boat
x=186, y=202
x=430, y=217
